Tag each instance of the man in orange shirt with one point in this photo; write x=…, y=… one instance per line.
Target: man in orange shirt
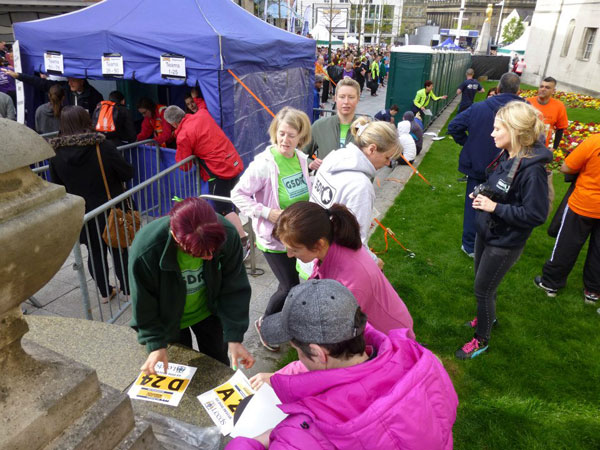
x=555, y=118
x=580, y=220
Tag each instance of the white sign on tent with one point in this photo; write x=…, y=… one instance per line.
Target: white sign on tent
x=172, y=66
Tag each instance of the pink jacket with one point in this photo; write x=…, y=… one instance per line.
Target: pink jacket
x=257, y=193
x=401, y=399
x=375, y=295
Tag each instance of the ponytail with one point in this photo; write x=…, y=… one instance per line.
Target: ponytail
x=56, y=95
x=346, y=230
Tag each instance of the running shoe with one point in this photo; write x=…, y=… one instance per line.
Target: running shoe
x=591, y=298
x=469, y=254
x=271, y=348
x=471, y=349
x=549, y=291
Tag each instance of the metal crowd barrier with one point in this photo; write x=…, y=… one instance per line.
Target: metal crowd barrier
x=332, y=112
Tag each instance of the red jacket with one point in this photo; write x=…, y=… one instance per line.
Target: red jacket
x=157, y=127
x=198, y=134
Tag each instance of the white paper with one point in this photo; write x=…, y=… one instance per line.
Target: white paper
x=112, y=64
x=439, y=138
x=172, y=66
x=221, y=402
x=19, y=84
x=53, y=62
x=427, y=112
x=167, y=389
x=430, y=133
x=261, y=414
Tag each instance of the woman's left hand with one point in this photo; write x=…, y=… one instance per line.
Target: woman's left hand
x=484, y=204
x=239, y=353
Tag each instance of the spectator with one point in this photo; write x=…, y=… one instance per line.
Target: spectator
x=283, y=166
x=416, y=131
x=348, y=70
x=47, y=116
x=510, y=204
x=3, y=49
x=409, y=147
x=387, y=115
x=7, y=108
x=330, y=133
x=154, y=125
x=473, y=129
x=580, y=220
x=375, y=76
x=468, y=89
x=520, y=67
x=213, y=299
x=77, y=168
x=316, y=102
x=193, y=101
x=382, y=71
x=421, y=101
x=7, y=83
x=353, y=387
x=491, y=92
x=198, y=134
x=116, y=124
x=335, y=74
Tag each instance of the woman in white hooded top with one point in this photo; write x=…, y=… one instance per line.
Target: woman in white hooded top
x=346, y=175
x=409, y=146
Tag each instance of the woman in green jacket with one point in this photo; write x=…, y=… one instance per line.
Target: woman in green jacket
x=187, y=274
x=423, y=96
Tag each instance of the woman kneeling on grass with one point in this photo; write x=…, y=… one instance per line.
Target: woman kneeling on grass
x=512, y=202
x=331, y=238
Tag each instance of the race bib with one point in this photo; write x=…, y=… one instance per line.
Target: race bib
x=295, y=185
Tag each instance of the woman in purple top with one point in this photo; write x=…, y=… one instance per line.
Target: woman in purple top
x=348, y=70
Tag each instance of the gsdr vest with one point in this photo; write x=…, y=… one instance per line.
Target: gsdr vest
x=157, y=124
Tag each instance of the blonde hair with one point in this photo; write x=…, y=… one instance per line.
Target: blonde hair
x=296, y=119
x=524, y=124
x=347, y=81
x=382, y=134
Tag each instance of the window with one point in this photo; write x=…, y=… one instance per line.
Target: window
x=568, y=37
x=587, y=43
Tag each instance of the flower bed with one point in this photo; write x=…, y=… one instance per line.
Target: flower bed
x=575, y=133
x=570, y=99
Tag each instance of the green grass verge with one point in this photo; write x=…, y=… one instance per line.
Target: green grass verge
x=537, y=387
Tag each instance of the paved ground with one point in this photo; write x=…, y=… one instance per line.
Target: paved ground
x=62, y=295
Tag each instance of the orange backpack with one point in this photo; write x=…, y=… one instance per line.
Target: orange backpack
x=106, y=122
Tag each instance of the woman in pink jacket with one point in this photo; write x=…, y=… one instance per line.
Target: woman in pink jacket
x=276, y=179
x=331, y=237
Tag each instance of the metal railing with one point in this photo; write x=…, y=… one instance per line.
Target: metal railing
x=332, y=112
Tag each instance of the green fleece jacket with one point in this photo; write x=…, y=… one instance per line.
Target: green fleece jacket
x=158, y=290
x=422, y=98
x=326, y=137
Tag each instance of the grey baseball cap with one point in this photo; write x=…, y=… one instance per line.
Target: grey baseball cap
x=315, y=312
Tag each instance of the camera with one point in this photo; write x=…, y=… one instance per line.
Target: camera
x=486, y=191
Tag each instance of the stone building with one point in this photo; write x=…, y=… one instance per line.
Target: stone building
x=414, y=15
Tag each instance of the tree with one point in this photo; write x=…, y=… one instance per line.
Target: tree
x=512, y=30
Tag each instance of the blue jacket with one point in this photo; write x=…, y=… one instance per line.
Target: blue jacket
x=479, y=149
x=525, y=205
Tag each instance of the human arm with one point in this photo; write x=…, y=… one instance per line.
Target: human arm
x=147, y=131
x=436, y=98
x=567, y=170
x=578, y=157
x=115, y=163
x=558, y=135
x=459, y=126
x=154, y=357
x=11, y=113
x=259, y=379
x=166, y=133
x=252, y=181
x=199, y=101
x=37, y=82
x=419, y=99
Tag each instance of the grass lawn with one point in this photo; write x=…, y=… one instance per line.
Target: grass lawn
x=538, y=385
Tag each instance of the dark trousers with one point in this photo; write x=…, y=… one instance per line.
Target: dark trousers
x=469, y=227
x=491, y=264
x=325, y=91
x=98, y=262
x=373, y=85
x=209, y=334
x=284, y=269
x=462, y=107
x=574, y=231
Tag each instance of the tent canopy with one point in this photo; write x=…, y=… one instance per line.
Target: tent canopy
x=448, y=44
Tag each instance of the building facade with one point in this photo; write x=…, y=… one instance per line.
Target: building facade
x=564, y=44
x=414, y=15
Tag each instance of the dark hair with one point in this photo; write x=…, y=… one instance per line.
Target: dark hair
x=428, y=83
x=550, y=80
x=74, y=120
x=116, y=96
x=146, y=103
x=494, y=90
x=394, y=108
x=345, y=349
x=196, y=227
x=56, y=96
x=509, y=83
x=304, y=223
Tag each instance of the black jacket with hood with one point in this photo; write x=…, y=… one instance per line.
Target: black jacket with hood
x=525, y=205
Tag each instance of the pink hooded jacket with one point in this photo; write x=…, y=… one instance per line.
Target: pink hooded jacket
x=378, y=299
x=401, y=399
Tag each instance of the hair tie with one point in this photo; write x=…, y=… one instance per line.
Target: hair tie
x=361, y=128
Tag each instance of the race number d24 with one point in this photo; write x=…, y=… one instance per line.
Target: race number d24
x=163, y=382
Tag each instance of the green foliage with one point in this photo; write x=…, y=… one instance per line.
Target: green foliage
x=512, y=30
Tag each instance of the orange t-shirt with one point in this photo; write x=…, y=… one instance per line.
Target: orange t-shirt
x=555, y=115
x=585, y=199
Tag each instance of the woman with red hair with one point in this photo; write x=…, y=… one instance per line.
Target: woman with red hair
x=187, y=274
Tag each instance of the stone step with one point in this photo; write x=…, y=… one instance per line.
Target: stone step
x=140, y=438
x=102, y=426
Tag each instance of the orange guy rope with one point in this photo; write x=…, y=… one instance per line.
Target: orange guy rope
x=389, y=232
x=322, y=72
x=251, y=93
x=415, y=170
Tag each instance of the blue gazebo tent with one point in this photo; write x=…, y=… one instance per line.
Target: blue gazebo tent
x=448, y=44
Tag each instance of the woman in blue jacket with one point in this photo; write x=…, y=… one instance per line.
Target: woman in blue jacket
x=512, y=202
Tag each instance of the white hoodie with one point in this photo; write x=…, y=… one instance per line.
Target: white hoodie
x=345, y=177
x=409, y=148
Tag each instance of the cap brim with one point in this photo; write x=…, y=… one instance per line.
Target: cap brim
x=273, y=330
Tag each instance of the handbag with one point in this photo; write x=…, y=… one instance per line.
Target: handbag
x=121, y=226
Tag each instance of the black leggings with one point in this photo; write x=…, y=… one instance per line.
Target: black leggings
x=284, y=269
x=209, y=334
x=98, y=262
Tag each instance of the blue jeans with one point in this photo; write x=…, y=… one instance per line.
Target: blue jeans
x=491, y=264
x=469, y=227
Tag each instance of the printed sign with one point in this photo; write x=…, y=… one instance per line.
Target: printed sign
x=295, y=185
x=172, y=66
x=112, y=65
x=166, y=388
x=19, y=84
x=322, y=193
x=221, y=402
x=53, y=63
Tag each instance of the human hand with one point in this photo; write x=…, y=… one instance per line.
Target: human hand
x=444, y=97
x=485, y=204
x=380, y=263
x=239, y=354
x=194, y=92
x=10, y=73
x=153, y=358
x=259, y=379
x=274, y=215
x=423, y=108
x=315, y=164
x=264, y=438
